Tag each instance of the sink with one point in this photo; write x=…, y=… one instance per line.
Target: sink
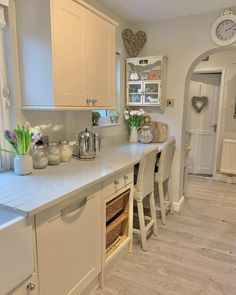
x=16, y=249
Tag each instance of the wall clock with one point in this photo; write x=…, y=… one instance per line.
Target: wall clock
x=224, y=29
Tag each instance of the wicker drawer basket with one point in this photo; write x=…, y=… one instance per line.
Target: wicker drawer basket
x=114, y=207
x=113, y=235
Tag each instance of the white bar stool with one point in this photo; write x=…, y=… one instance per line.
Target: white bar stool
x=145, y=188
x=163, y=174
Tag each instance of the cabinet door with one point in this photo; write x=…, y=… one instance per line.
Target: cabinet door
x=29, y=287
x=69, y=24
x=69, y=245
x=101, y=62
x=134, y=93
x=152, y=92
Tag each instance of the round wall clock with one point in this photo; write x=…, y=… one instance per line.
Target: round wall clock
x=224, y=29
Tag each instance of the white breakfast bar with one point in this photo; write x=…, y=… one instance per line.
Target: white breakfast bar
x=66, y=205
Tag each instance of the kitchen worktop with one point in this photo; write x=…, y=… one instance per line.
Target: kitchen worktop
x=45, y=188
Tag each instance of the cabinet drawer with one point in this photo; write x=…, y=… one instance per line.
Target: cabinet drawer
x=117, y=182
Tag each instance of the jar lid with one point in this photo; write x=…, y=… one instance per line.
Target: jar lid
x=39, y=147
x=53, y=144
x=63, y=142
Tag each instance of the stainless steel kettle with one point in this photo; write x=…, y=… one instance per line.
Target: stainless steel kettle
x=88, y=144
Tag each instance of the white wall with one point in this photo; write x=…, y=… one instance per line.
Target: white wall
x=184, y=41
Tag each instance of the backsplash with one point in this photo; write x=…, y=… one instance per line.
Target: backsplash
x=67, y=125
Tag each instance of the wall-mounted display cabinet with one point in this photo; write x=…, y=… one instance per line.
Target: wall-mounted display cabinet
x=66, y=55
x=146, y=81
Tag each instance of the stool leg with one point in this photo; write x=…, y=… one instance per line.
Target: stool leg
x=153, y=213
x=162, y=203
x=142, y=225
x=170, y=198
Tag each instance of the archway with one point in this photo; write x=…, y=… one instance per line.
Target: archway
x=194, y=64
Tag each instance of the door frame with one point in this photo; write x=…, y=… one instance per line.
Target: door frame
x=220, y=106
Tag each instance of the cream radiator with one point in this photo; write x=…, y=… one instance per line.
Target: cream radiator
x=228, y=157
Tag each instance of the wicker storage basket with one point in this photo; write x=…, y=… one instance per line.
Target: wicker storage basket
x=113, y=235
x=114, y=207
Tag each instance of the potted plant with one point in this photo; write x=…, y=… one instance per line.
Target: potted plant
x=134, y=120
x=95, y=118
x=20, y=140
x=114, y=116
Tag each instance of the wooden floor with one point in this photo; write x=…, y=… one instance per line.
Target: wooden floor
x=194, y=253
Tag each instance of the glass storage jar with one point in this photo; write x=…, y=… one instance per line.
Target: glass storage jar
x=66, y=151
x=40, y=159
x=54, y=154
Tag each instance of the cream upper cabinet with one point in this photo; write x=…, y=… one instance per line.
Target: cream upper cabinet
x=101, y=62
x=66, y=55
x=69, y=244
x=70, y=21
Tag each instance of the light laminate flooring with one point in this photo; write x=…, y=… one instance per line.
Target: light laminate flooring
x=194, y=253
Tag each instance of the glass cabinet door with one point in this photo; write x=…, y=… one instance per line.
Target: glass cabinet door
x=151, y=92
x=135, y=93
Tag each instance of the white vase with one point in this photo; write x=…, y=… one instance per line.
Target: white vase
x=133, y=135
x=23, y=164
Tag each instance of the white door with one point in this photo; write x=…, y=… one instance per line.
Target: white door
x=203, y=125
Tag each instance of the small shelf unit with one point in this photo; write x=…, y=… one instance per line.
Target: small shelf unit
x=146, y=81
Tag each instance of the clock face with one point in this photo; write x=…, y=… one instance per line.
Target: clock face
x=226, y=30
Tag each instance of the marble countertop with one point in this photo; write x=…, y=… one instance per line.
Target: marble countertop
x=45, y=188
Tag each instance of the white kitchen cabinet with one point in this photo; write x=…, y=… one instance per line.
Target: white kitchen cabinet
x=29, y=287
x=101, y=63
x=117, y=221
x=146, y=81
x=69, y=244
x=66, y=55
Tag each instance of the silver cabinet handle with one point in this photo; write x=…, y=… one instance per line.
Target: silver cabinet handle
x=74, y=207
x=30, y=287
x=116, y=182
x=126, y=177
x=88, y=101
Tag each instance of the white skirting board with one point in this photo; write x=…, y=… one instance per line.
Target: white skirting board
x=225, y=178
x=178, y=205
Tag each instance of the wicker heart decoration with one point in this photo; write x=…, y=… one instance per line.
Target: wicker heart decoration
x=133, y=42
x=199, y=103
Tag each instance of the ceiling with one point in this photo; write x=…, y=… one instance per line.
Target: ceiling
x=142, y=11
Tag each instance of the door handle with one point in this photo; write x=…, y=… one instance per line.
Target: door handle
x=215, y=127
x=74, y=207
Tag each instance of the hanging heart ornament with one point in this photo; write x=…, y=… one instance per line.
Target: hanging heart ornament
x=133, y=42
x=199, y=103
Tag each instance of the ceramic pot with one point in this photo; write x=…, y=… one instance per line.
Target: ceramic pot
x=133, y=135
x=114, y=119
x=145, y=135
x=23, y=165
